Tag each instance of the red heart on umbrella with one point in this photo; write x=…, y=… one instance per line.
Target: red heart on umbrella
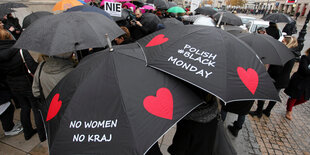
x=54, y=107
x=160, y=105
x=249, y=78
x=157, y=40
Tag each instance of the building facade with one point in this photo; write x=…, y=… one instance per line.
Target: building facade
x=293, y=6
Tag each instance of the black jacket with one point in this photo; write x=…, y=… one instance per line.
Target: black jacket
x=5, y=94
x=300, y=82
x=281, y=74
x=13, y=68
x=273, y=31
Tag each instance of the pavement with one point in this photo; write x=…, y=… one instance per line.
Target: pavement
x=266, y=136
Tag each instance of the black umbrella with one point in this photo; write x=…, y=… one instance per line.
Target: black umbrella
x=87, y=8
x=171, y=22
x=172, y=4
x=234, y=30
x=113, y=104
x=206, y=11
x=10, y=5
x=138, y=3
x=126, y=13
x=5, y=11
x=228, y=18
x=33, y=17
x=278, y=18
x=210, y=59
x=270, y=50
x=68, y=32
x=160, y=4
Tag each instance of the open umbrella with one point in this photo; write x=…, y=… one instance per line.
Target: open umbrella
x=172, y=4
x=125, y=15
x=210, y=59
x=33, y=17
x=205, y=21
x=10, y=5
x=171, y=22
x=130, y=5
x=102, y=2
x=87, y=8
x=278, y=18
x=112, y=104
x=66, y=4
x=234, y=30
x=67, y=32
x=123, y=0
x=206, y=11
x=176, y=9
x=228, y=18
x=269, y=50
x=148, y=7
x=138, y=3
x=160, y=4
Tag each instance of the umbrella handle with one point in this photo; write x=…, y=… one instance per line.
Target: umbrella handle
x=218, y=23
x=109, y=42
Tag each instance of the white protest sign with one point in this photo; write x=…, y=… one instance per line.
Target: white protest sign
x=113, y=8
x=194, y=5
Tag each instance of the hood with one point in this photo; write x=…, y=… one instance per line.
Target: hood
x=56, y=65
x=6, y=52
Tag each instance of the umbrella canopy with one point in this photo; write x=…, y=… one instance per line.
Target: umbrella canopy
x=160, y=4
x=87, y=8
x=172, y=4
x=5, y=11
x=102, y=2
x=125, y=15
x=171, y=22
x=10, y=5
x=176, y=9
x=278, y=18
x=269, y=50
x=234, y=30
x=130, y=5
x=67, y=32
x=205, y=21
x=113, y=96
x=82, y=1
x=212, y=60
x=123, y=0
x=66, y=4
x=206, y=11
x=228, y=18
x=138, y=3
x=33, y=17
x=148, y=7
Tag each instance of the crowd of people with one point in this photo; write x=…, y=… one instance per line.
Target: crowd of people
x=27, y=82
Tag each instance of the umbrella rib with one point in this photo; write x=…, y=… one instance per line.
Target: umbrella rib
x=143, y=53
x=174, y=124
x=118, y=86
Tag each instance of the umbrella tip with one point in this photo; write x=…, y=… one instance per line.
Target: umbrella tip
x=109, y=42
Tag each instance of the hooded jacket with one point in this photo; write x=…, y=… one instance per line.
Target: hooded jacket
x=53, y=71
x=13, y=68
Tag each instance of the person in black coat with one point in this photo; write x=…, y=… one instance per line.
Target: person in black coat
x=273, y=30
x=145, y=24
x=299, y=86
x=7, y=115
x=281, y=77
x=20, y=83
x=290, y=28
x=241, y=108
